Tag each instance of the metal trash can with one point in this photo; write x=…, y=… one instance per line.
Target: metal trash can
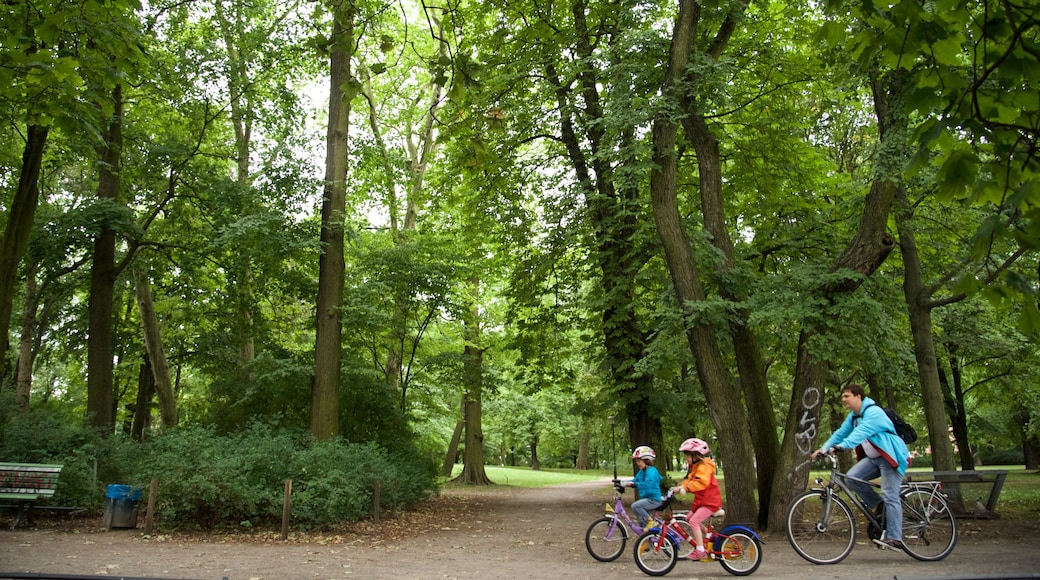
x=121, y=506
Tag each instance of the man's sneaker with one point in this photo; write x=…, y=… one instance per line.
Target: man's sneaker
x=894, y=544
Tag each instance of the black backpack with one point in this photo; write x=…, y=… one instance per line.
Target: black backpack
x=905, y=430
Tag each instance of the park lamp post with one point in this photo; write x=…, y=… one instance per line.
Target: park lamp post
x=613, y=445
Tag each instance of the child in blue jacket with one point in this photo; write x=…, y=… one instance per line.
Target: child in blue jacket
x=647, y=482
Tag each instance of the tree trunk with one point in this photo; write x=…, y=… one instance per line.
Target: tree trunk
x=864, y=254
x=582, y=460
x=612, y=211
x=1030, y=441
x=103, y=275
x=453, y=448
x=723, y=402
x=750, y=367
x=919, y=309
x=535, y=464
x=331, y=266
x=154, y=348
x=456, y=436
x=473, y=379
x=953, y=393
x=26, y=352
x=15, y=241
x=142, y=411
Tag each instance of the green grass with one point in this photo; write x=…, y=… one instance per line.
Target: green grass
x=1020, y=497
x=526, y=477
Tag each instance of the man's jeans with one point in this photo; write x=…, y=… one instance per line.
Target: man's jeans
x=870, y=468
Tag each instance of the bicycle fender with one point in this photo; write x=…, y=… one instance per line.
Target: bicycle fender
x=728, y=530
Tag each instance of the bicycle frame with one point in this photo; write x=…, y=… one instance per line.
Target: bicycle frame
x=840, y=481
x=821, y=525
x=676, y=532
x=619, y=513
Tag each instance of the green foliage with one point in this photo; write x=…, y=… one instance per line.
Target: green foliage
x=90, y=460
x=211, y=481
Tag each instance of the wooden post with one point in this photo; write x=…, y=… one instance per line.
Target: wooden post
x=286, y=508
x=149, y=518
x=375, y=502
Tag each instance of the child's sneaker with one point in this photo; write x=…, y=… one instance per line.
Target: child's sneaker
x=697, y=555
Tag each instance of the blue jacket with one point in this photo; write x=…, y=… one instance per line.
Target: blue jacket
x=648, y=482
x=875, y=426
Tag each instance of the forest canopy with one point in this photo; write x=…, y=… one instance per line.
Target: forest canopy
x=505, y=232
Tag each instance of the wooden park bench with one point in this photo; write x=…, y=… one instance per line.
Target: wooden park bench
x=957, y=484
x=25, y=484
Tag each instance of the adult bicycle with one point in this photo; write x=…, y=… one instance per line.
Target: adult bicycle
x=821, y=526
x=607, y=537
x=736, y=547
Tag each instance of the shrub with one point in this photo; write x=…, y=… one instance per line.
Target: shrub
x=207, y=480
x=89, y=460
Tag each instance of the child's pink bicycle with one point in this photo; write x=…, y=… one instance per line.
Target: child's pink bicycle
x=607, y=537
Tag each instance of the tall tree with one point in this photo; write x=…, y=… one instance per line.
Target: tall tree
x=723, y=404
x=103, y=274
x=327, y=343
x=473, y=382
x=155, y=351
x=862, y=256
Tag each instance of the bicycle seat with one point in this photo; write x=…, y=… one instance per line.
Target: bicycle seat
x=719, y=514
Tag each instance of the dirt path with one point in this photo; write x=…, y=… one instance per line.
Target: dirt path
x=500, y=533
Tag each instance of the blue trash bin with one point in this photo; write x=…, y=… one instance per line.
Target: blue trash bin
x=121, y=506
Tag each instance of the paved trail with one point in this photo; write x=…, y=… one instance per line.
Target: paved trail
x=516, y=534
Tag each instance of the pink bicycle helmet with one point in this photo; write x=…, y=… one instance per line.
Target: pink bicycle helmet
x=644, y=452
x=694, y=445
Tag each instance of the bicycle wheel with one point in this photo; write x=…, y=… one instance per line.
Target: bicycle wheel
x=929, y=528
x=819, y=537
x=653, y=561
x=606, y=538
x=741, y=553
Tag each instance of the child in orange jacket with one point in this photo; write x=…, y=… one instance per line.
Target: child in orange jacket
x=700, y=480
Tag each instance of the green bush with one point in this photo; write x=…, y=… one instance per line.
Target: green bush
x=89, y=460
x=207, y=480
x=211, y=481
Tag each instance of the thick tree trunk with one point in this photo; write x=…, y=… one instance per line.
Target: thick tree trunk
x=154, y=347
x=26, y=352
x=103, y=275
x=612, y=211
x=919, y=309
x=750, y=366
x=15, y=240
x=864, y=254
x=723, y=402
x=328, y=347
x=473, y=379
x=582, y=459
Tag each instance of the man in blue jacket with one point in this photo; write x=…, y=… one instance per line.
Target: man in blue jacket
x=880, y=451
